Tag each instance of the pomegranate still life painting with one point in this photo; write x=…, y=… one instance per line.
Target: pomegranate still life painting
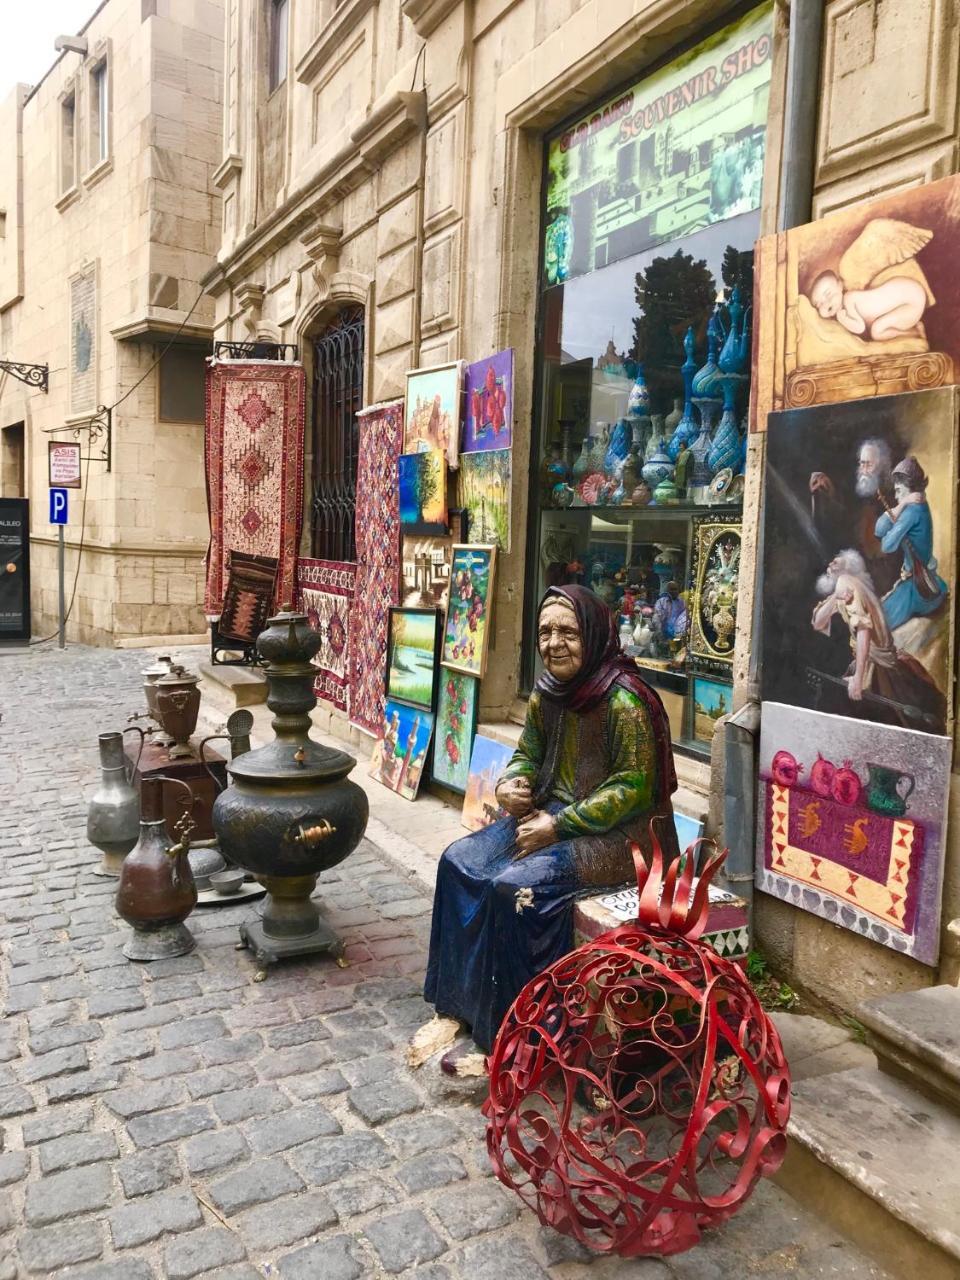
x=851, y=824
x=466, y=633
x=456, y=727
x=488, y=420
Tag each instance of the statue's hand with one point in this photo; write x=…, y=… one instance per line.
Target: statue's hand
x=538, y=831
x=515, y=797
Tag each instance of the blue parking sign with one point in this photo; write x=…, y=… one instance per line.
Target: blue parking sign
x=58, y=506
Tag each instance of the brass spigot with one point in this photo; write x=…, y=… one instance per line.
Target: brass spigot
x=312, y=836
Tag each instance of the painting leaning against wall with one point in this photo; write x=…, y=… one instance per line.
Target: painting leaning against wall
x=484, y=487
x=456, y=727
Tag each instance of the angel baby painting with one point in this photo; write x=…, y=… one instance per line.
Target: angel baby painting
x=863, y=302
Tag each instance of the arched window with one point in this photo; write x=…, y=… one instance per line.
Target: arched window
x=337, y=396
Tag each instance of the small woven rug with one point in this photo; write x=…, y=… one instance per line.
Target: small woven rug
x=248, y=598
x=378, y=560
x=325, y=590
x=253, y=451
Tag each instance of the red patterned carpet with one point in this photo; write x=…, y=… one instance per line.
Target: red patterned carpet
x=325, y=591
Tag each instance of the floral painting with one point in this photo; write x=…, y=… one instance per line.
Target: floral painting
x=434, y=410
x=400, y=755
x=422, y=488
x=489, y=403
x=487, y=762
x=466, y=632
x=485, y=494
x=412, y=656
x=456, y=726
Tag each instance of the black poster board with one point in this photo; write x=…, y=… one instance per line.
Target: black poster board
x=14, y=570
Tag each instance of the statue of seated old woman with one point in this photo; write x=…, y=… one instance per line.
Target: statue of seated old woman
x=593, y=767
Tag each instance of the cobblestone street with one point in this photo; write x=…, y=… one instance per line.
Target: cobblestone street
x=178, y=1120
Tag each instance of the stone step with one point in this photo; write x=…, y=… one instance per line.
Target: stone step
x=879, y=1162
x=916, y=1037
x=234, y=686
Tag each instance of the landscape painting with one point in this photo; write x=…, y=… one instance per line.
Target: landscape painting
x=489, y=403
x=456, y=727
x=426, y=563
x=711, y=700
x=859, y=557
x=851, y=824
x=485, y=494
x=466, y=633
x=400, y=754
x=422, y=488
x=487, y=762
x=862, y=302
x=412, y=656
x=433, y=410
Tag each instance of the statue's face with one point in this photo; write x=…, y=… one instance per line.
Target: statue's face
x=559, y=640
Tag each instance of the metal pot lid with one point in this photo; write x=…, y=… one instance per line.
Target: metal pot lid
x=179, y=675
x=160, y=668
x=292, y=760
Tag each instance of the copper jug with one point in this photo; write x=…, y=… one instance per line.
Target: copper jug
x=156, y=891
x=178, y=705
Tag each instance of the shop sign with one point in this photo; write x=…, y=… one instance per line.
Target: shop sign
x=14, y=569
x=678, y=151
x=64, y=465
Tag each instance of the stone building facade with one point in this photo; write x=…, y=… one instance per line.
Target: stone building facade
x=386, y=157
x=110, y=220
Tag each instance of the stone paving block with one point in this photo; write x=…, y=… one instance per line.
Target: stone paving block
x=244, y=1104
x=46, y=1251
x=290, y=1129
x=403, y=1239
x=58, y=1062
x=43, y=971
x=327, y=1159
x=203, y=1084
x=15, y=1101
x=174, y=1063
x=53, y=1015
x=76, y=1149
x=348, y=1048
x=320, y=1084
x=56, y=1123
x=334, y=1259
x=153, y=1216
x=141, y=1099
x=218, y=1053
x=369, y=1070
x=201, y=1252
x=297, y=1033
x=14, y=1165
x=208, y=1152
x=430, y=1130
x=356, y=1020
x=148, y=1171
x=169, y=1126
x=436, y=1169
x=109, y=1003
x=63, y=1037
x=63, y=1195
x=469, y=1210
x=377, y=1103
x=130, y=1046
x=23, y=999
x=84, y=1084
x=502, y=1257
x=351, y=1198
x=127, y=1269
x=168, y=989
x=189, y=1031
x=295, y=1061
x=256, y=1183
x=286, y=1222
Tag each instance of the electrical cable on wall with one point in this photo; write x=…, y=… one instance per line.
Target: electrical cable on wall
x=83, y=506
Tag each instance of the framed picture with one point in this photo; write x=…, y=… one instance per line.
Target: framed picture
x=711, y=700
x=400, y=754
x=434, y=406
x=488, y=420
x=422, y=489
x=426, y=564
x=466, y=632
x=484, y=488
x=716, y=587
x=412, y=657
x=456, y=729
x=487, y=762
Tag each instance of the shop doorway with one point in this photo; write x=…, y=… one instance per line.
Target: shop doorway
x=337, y=397
x=13, y=462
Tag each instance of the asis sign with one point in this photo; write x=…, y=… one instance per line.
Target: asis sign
x=64, y=462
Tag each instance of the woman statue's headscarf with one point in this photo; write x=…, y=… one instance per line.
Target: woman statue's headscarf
x=605, y=666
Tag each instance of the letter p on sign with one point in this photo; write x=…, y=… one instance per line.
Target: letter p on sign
x=58, y=506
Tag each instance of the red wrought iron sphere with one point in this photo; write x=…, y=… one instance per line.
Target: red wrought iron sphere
x=638, y=1090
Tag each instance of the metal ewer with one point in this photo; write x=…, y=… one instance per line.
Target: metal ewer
x=290, y=810
x=113, y=814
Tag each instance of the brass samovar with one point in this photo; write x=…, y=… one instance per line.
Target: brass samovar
x=290, y=810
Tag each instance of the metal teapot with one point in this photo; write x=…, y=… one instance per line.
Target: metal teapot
x=113, y=814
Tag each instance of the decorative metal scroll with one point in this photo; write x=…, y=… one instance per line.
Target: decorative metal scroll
x=98, y=429
x=255, y=351
x=638, y=1091
x=337, y=396
x=34, y=375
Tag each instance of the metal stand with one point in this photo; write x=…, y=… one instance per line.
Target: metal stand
x=290, y=926
x=60, y=588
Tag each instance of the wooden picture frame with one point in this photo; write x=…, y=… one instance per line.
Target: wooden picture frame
x=466, y=628
x=405, y=679
x=458, y=705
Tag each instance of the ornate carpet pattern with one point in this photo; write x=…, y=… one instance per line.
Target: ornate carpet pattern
x=325, y=590
x=253, y=451
x=378, y=559
x=248, y=597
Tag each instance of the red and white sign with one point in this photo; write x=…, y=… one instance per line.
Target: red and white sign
x=64, y=465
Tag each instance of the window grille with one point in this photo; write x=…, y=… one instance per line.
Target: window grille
x=337, y=396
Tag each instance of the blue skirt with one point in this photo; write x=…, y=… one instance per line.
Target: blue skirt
x=497, y=923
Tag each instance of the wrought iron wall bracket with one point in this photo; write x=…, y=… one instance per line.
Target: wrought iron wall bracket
x=99, y=432
x=255, y=351
x=34, y=375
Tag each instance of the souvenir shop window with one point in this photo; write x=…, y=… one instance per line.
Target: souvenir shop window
x=644, y=362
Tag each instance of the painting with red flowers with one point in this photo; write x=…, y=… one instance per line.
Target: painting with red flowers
x=466, y=633
x=456, y=726
x=489, y=417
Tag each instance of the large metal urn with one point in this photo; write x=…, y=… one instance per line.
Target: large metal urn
x=290, y=811
x=177, y=700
